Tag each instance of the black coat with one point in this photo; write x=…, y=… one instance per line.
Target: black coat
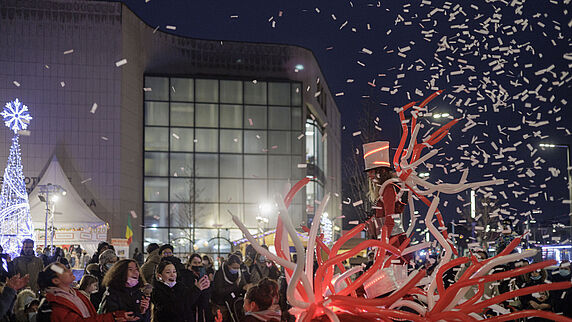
x=223, y=291
x=125, y=299
x=171, y=304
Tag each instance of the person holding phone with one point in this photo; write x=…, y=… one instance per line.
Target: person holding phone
x=124, y=283
x=198, y=276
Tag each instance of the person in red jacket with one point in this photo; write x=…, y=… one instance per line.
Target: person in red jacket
x=388, y=208
x=66, y=303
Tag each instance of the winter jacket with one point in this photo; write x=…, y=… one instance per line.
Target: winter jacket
x=30, y=265
x=7, y=300
x=148, y=269
x=64, y=310
x=172, y=304
x=125, y=299
x=266, y=315
x=200, y=301
x=227, y=287
x=6, y=274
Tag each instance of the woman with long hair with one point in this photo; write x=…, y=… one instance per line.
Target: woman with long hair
x=123, y=284
x=69, y=305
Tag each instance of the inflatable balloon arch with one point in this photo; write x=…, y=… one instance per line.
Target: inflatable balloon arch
x=321, y=296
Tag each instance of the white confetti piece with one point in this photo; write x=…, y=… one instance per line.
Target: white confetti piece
x=147, y=89
x=104, y=138
x=356, y=133
x=300, y=136
x=367, y=51
x=121, y=62
x=57, y=269
x=16, y=83
x=93, y=108
x=176, y=136
x=24, y=132
x=302, y=165
x=85, y=181
x=357, y=203
x=171, y=27
x=63, y=84
x=250, y=122
x=234, y=17
x=353, y=222
x=133, y=213
x=68, y=51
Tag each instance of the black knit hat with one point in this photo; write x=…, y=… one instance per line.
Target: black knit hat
x=162, y=248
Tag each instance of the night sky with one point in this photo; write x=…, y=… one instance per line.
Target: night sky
x=504, y=66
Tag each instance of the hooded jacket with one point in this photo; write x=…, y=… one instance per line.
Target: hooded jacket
x=65, y=310
x=227, y=287
x=148, y=269
x=31, y=265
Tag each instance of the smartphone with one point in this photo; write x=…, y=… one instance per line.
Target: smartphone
x=202, y=272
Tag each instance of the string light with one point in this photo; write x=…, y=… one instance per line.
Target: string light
x=15, y=221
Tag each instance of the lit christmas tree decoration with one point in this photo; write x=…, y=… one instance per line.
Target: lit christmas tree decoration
x=15, y=220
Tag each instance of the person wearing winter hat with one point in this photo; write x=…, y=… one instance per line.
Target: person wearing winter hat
x=106, y=260
x=153, y=259
x=101, y=247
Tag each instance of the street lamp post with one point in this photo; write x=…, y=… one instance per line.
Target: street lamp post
x=44, y=196
x=568, y=172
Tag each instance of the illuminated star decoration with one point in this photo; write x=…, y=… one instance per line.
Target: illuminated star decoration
x=16, y=116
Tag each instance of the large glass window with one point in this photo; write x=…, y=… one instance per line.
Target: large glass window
x=217, y=146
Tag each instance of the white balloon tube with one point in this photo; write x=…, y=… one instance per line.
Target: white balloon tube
x=415, y=248
x=300, y=260
x=412, y=142
x=446, y=247
x=412, y=217
x=486, y=268
x=312, y=239
x=410, y=304
x=258, y=248
x=345, y=275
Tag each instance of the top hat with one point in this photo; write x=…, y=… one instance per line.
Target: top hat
x=376, y=155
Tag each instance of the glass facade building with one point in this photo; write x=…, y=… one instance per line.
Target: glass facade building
x=214, y=146
x=185, y=132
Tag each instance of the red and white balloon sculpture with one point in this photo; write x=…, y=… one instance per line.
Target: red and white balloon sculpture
x=320, y=296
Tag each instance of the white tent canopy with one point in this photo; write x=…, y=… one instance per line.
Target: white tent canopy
x=74, y=222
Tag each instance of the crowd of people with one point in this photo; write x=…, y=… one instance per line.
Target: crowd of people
x=245, y=287
x=37, y=287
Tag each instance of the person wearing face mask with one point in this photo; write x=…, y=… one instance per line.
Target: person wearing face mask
x=66, y=304
x=561, y=299
x=259, y=269
x=228, y=286
x=123, y=284
x=88, y=285
x=171, y=299
x=106, y=260
x=538, y=300
x=197, y=275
